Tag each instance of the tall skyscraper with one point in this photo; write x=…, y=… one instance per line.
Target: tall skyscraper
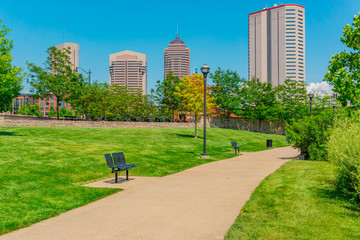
x=74, y=53
x=128, y=68
x=177, y=58
x=277, y=44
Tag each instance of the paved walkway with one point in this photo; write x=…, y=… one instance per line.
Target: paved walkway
x=198, y=203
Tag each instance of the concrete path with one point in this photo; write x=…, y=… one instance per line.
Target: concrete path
x=198, y=203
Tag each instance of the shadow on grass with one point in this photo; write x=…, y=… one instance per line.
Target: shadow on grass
x=289, y=158
x=335, y=193
x=193, y=153
x=187, y=135
x=7, y=134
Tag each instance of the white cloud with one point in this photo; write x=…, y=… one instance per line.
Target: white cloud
x=322, y=88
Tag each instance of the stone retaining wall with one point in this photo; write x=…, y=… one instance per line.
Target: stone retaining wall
x=22, y=121
x=9, y=120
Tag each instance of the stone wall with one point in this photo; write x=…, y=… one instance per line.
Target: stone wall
x=248, y=125
x=22, y=121
x=9, y=120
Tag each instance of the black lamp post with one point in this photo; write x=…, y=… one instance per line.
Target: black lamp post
x=311, y=96
x=334, y=106
x=205, y=69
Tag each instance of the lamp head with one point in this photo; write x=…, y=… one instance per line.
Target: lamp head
x=205, y=69
x=311, y=95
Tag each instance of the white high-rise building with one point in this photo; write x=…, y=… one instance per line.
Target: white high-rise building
x=277, y=44
x=128, y=69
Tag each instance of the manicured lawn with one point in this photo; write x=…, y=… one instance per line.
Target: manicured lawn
x=41, y=169
x=298, y=201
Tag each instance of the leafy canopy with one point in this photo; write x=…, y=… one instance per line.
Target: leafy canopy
x=56, y=78
x=344, y=68
x=10, y=75
x=226, y=91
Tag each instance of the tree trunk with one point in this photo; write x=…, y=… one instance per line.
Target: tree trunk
x=173, y=115
x=57, y=108
x=122, y=116
x=228, y=121
x=195, y=128
x=259, y=125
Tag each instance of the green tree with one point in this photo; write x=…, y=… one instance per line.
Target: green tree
x=164, y=94
x=259, y=102
x=344, y=68
x=35, y=110
x=10, y=75
x=122, y=101
x=81, y=95
x=56, y=78
x=293, y=100
x=52, y=112
x=32, y=110
x=65, y=112
x=226, y=92
x=102, y=98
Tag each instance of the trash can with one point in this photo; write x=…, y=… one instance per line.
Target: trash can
x=269, y=143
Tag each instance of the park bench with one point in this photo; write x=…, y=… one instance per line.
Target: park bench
x=288, y=141
x=235, y=146
x=117, y=164
x=70, y=117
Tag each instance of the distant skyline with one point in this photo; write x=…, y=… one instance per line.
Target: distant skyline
x=216, y=33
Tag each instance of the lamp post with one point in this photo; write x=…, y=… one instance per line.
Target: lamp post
x=334, y=106
x=77, y=70
x=311, y=96
x=205, y=69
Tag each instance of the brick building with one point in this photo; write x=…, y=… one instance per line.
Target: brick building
x=44, y=104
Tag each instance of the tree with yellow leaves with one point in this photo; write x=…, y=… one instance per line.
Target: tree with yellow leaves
x=191, y=91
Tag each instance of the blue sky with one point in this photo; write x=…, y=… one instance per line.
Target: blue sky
x=215, y=31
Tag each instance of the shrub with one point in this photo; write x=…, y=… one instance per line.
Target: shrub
x=310, y=135
x=344, y=151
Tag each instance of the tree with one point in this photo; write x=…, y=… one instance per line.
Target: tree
x=52, y=112
x=293, y=100
x=10, y=75
x=259, y=101
x=164, y=94
x=56, y=79
x=191, y=91
x=122, y=101
x=64, y=112
x=344, y=68
x=81, y=96
x=103, y=98
x=226, y=92
x=32, y=110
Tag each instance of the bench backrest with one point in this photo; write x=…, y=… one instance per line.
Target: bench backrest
x=234, y=144
x=122, y=158
x=109, y=161
x=116, y=159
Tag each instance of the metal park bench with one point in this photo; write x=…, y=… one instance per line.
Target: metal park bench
x=235, y=146
x=117, y=164
x=288, y=141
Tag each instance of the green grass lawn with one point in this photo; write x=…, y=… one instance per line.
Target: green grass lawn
x=298, y=201
x=41, y=169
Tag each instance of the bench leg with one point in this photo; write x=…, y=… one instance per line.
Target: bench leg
x=127, y=174
x=116, y=180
